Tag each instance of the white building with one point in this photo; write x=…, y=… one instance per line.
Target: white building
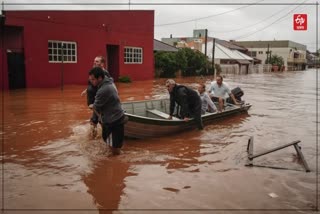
x=293, y=54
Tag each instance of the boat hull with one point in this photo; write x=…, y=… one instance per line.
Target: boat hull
x=141, y=125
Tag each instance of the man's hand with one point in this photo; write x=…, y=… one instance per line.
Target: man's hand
x=94, y=125
x=84, y=93
x=186, y=119
x=90, y=106
x=170, y=117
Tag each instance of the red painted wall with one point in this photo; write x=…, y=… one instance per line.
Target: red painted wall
x=92, y=31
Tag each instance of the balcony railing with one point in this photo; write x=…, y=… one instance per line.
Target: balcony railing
x=297, y=60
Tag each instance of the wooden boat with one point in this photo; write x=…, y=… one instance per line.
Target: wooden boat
x=148, y=118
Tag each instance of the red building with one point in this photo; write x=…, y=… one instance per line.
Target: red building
x=50, y=48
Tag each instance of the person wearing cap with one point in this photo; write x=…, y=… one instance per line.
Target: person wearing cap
x=188, y=99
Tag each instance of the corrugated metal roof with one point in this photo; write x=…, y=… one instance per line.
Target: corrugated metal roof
x=230, y=45
x=161, y=46
x=222, y=52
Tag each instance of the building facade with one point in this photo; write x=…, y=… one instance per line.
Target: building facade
x=224, y=53
x=293, y=54
x=52, y=48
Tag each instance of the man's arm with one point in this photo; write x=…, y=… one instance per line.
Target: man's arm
x=210, y=103
x=211, y=90
x=182, y=93
x=84, y=92
x=101, y=99
x=234, y=99
x=172, y=105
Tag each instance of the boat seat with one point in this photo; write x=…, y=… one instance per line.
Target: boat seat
x=160, y=114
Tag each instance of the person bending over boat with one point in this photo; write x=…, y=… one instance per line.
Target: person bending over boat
x=218, y=92
x=107, y=104
x=206, y=103
x=188, y=99
x=91, y=90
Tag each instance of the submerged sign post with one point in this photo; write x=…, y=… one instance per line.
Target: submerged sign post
x=300, y=21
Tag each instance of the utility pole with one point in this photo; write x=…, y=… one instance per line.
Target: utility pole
x=268, y=53
x=205, y=47
x=205, y=42
x=62, y=66
x=2, y=48
x=213, y=50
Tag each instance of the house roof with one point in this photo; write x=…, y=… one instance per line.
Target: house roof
x=230, y=45
x=161, y=46
x=243, y=61
x=222, y=52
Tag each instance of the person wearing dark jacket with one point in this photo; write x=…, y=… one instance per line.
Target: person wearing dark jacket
x=91, y=90
x=108, y=106
x=188, y=100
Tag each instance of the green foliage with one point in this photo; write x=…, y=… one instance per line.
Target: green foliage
x=182, y=61
x=275, y=60
x=196, y=62
x=125, y=79
x=190, y=62
x=166, y=61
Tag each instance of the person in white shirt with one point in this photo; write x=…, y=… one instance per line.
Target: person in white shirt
x=207, y=104
x=218, y=92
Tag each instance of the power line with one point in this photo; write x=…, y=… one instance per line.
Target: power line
x=257, y=23
x=251, y=33
x=206, y=17
x=146, y=4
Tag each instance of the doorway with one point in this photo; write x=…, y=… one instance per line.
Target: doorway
x=16, y=70
x=113, y=61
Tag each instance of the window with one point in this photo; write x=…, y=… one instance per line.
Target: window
x=61, y=51
x=132, y=55
x=253, y=53
x=260, y=52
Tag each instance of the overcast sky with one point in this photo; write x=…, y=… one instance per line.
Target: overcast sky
x=237, y=22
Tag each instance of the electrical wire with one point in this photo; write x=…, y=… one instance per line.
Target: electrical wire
x=257, y=23
x=207, y=17
x=276, y=21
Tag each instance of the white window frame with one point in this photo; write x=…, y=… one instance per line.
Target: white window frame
x=55, y=51
x=133, y=55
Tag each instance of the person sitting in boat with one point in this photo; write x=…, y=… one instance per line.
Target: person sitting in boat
x=218, y=92
x=188, y=99
x=207, y=104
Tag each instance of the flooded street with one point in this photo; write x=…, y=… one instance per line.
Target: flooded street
x=51, y=163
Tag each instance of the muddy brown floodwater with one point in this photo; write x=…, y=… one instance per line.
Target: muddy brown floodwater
x=52, y=166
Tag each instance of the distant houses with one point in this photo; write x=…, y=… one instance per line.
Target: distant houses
x=226, y=54
x=293, y=53
x=244, y=54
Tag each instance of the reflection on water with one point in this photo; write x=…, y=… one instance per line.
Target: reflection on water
x=48, y=149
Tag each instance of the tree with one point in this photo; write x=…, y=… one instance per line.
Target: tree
x=275, y=60
x=196, y=62
x=167, y=63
